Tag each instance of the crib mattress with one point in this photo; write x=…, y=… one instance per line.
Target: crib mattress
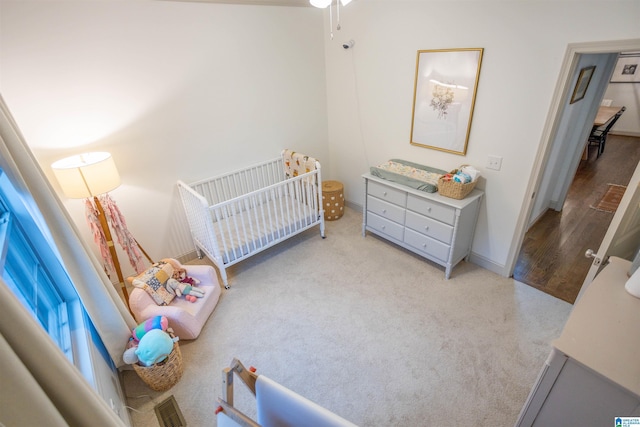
x=261, y=226
x=411, y=174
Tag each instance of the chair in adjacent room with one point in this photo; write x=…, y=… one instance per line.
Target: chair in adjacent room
x=599, y=134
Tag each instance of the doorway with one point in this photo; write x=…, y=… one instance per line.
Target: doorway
x=550, y=174
x=551, y=258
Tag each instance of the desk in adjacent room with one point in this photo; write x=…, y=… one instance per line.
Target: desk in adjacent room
x=604, y=115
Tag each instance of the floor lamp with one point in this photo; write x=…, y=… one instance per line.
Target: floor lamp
x=91, y=175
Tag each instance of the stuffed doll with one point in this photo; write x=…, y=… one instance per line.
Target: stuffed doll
x=180, y=274
x=190, y=293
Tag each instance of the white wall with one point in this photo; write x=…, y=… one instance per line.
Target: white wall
x=370, y=90
x=627, y=95
x=186, y=90
x=172, y=90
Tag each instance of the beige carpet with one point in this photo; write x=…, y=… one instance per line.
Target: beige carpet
x=371, y=332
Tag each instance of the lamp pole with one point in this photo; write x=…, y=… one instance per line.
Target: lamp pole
x=112, y=249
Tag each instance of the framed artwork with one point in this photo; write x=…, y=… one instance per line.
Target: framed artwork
x=626, y=70
x=443, y=99
x=582, y=83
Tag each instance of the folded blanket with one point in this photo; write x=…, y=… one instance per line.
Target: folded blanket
x=411, y=174
x=297, y=163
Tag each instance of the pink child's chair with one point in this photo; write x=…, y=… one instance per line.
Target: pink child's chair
x=185, y=318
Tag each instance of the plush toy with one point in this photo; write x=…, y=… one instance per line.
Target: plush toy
x=156, y=322
x=129, y=356
x=180, y=274
x=154, y=347
x=190, y=293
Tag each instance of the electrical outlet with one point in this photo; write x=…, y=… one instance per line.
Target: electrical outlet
x=494, y=162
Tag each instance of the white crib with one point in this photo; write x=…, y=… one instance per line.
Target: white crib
x=236, y=215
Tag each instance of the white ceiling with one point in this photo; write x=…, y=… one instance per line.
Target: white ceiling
x=303, y=3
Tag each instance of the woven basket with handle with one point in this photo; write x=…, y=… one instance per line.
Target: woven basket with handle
x=163, y=375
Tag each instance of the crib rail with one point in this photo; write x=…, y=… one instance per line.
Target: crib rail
x=238, y=183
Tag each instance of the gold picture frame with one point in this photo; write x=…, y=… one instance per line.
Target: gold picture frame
x=444, y=96
x=582, y=84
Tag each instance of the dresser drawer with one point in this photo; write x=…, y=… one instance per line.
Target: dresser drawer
x=429, y=227
x=385, y=226
x=385, y=210
x=392, y=195
x=432, y=209
x=427, y=245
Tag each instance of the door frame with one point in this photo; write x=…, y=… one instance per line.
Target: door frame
x=551, y=127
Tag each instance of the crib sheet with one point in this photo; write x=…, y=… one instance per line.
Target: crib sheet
x=260, y=226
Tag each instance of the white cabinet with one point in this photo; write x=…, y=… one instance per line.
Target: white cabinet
x=433, y=226
x=593, y=372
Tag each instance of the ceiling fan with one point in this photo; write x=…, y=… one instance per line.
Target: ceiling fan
x=322, y=4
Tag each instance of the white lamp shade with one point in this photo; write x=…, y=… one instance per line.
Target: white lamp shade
x=345, y=2
x=86, y=175
x=320, y=3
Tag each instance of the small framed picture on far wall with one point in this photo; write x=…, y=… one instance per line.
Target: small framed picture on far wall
x=582, y=84
x=626, y=70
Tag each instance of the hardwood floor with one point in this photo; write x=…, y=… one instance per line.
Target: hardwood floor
x=552, y=255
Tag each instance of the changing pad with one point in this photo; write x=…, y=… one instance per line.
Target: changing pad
x=411, y=174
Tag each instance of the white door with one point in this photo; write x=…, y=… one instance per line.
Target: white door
x=623, y=236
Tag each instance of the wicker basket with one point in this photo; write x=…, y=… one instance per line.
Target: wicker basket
x=164, y=375
x=455, y=190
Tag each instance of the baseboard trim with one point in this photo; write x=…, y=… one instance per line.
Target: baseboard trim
x=555, y=205
x=353, y=205
x=625, y=133
x=185, y=258
x=487, y=264
x=474, y=258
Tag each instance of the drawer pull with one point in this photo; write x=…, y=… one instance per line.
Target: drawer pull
x=384, y=211
x=384, y=193
x=424, y=245
x=428, y=209
x=426, y=228
x=384, y=227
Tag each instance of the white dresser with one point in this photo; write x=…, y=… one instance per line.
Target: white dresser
x=433, y=226
x=593, y=372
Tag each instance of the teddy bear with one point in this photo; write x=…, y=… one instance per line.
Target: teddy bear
x=190, y=293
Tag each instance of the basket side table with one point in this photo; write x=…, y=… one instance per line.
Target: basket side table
x=333, y=200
